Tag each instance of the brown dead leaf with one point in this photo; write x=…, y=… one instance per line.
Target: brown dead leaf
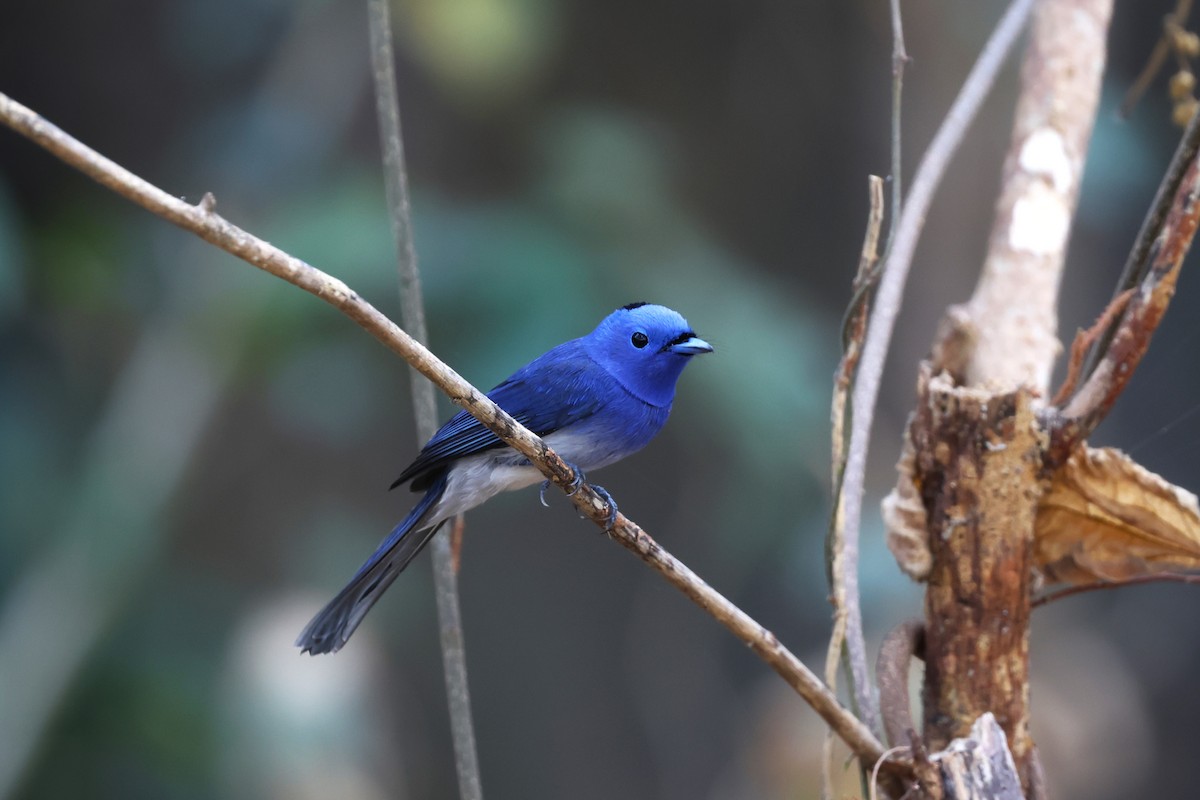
x=1107, y=518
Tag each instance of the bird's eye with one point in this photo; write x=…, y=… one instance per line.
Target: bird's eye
x=640, y=340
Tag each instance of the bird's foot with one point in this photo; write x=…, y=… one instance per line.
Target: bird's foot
x=580, y=480
x=611, y=520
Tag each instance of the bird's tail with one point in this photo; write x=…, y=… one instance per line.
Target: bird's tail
x=332, y=626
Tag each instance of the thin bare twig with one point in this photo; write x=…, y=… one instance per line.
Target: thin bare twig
x=899, y=60
x=854, y=328
x=903, y=643
x=1083, y=342
x=1158, y=577
x=232, y=239
x=887, y=307
x=412, y=314
x=1150, y=276
x=873, y=784
x=1158, y=57
x=1138, y=264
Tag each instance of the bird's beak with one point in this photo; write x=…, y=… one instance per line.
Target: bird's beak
x=691, y=346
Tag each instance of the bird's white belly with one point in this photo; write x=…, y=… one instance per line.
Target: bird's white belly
x=475, y=479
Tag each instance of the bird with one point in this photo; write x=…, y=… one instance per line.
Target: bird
x=594, y=400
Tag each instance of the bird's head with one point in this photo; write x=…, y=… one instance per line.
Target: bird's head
x=645, y=347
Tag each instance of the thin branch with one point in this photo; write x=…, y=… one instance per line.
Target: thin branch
x=1158, y=577
x=873, y=784
x=854, y=328
x=899, y=60
x=843, y=570
x=412, y=314
x=223, y=234
x=833, y=657
x=887, y=303
x=1137, y=265
x=1173, y=22
x=903, y=643
x=1083, y=341
x=1150, y=276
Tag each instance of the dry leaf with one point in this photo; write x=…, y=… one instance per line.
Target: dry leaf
x=905, y=520
x=1107, y=518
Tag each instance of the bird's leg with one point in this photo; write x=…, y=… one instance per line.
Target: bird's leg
x=611, y=520
x=580, y=479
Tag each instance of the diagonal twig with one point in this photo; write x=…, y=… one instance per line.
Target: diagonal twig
x=202, y=221
x=1149, y=279
x=1157, y=577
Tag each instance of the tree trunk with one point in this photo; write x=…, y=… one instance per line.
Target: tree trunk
x=978, y=457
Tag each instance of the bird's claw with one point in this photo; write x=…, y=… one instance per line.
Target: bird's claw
x=611, y=520
x=580, y=479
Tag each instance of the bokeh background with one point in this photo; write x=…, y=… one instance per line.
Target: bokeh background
x=194, y=456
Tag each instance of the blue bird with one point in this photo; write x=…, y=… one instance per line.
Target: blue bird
x=594, y=400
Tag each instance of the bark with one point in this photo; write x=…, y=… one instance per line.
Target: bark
x=979, y=767
x=1014, y=305
x=978, y=457
x=977, y=444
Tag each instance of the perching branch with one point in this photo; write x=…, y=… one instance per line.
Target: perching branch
x=412, y=313
x=202, y=220
x=888, y=297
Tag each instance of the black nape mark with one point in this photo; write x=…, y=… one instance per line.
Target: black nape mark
x=632, y=306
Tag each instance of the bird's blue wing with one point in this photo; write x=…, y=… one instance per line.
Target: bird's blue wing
x=554, y=390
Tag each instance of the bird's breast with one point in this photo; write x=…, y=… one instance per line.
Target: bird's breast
x=608, y=436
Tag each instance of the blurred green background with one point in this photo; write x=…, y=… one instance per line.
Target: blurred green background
x=194, y=456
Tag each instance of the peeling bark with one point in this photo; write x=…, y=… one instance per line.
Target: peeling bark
x=979, y=767
x=978, y=458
